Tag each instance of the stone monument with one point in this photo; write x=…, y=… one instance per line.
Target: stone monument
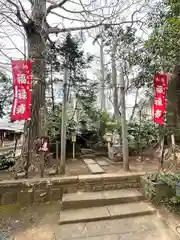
x=116, y=146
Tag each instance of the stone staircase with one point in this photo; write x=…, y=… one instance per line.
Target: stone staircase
x=93, y=206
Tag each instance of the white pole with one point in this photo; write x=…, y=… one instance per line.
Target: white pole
x=123, y=123
x=63, y=124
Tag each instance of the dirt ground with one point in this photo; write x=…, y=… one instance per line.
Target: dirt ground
x=78, y=167
x=14, y=220
x=73, y=168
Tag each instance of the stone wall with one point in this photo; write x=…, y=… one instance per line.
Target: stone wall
x=30, y=191
x=155, y=191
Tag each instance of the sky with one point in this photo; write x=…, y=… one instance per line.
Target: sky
x=13, y=40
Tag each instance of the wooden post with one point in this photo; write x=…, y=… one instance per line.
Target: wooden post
x=174, y=152
x=43, y=132
x=73, y=150
x=123, y=123
x=139, y=139
x=102, y=92
x=29, y=155
x=162, y=154
x=57, y=156
x=109, y=148
x=73, y=137
x=41, y=155
x=2, y=138
x=15, y=147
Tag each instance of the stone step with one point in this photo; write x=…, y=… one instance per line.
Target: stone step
x=103, y=162
x=88, y=156
x=106, y=212
x=95, y=168
x=97, y=199
x=89, y=161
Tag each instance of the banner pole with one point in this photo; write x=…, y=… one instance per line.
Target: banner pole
x=28, y=148
x=164, y=128
x=159, y=108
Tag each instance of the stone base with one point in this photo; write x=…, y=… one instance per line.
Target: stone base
x=29, y=191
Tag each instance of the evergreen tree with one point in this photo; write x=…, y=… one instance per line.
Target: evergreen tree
x=6, y=93
x=74, y=59
x=69, y=54
x=164, y=47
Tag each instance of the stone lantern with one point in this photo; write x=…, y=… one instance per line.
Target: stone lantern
x=108, y=137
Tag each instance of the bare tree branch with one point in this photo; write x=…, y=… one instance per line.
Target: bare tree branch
x=9, y=18
x=69, y=18
x=57, y=5
x=54, y=30
x=13, y=42
x=31, y=1
x=18, y=12
x=86, y=11
x=23, y=9
x=5, y=55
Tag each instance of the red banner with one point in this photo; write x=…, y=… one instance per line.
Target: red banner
x=22, y=80
x=159, y=106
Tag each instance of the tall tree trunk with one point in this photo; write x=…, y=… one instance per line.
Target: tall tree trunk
x=52, y=91
x=63, y=123
x=134, y=107
x=114, y=83
x=36, y=50
x=39, y=85
x=103, y=100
